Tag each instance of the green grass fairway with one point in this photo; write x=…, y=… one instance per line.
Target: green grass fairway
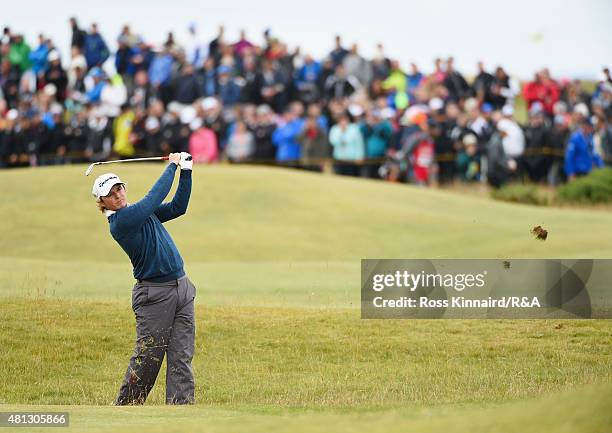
x=275, y=255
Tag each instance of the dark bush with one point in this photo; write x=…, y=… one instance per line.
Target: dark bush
x=596, y=187
x=519, y=193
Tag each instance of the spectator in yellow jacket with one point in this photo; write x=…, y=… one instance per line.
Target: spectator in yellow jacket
x=122, y=130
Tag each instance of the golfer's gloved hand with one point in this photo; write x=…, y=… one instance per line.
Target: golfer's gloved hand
x=186, y=162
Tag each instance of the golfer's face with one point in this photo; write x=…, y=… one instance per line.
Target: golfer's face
x=116, y=198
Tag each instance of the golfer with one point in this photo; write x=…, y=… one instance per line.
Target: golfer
x=163, y=296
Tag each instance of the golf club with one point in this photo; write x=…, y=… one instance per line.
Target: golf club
x=154, y=158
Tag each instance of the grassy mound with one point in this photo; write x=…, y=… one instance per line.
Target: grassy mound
x=596, y=187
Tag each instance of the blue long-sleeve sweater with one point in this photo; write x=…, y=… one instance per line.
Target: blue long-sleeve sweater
x=138, y=229
x=96, y=50
x=580, y=157
x=285, y=140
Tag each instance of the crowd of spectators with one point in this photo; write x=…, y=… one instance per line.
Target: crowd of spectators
x=242, y=102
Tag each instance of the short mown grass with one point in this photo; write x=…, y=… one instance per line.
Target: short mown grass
x=75, y=352
x=275, y=256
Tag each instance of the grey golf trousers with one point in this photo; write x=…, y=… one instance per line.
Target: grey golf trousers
x=165, y=323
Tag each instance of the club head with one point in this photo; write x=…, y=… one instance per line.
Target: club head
x=89, y=169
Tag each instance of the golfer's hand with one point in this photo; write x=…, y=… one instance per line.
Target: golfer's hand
x=186, y=161
x=175, y=158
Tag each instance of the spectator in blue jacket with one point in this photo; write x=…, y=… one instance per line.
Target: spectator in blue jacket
x=160, y=73
x=285, y=137
x=229, y=91
x=580, y=155
x=99, y=79
x=307, y=80
x=96, y=50
x=186, y=87
x=161, y=68
x=38, y=57
x=141, y=56
x=414, y=79
x=338, y=54
x=377, y=133
x=123, y=58
x=347, y=142
x=208, y=78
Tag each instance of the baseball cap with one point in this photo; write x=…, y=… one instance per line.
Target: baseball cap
x=103, y=184
x=262, y=109
x=355, y=110
x=470, y=139
x=188, y=114
x=12, y=114
x=436, y=104
x=471, y=104
x=53, y=55
x=536, y=108
x=50, y=89
x=174, y=107
x=152, y=122
x=581, y=108
x=209, y=103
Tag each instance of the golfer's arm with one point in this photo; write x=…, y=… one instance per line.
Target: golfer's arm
x=178, y=205
x=136, y=214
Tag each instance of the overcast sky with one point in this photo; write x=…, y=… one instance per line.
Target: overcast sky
x=571, y=37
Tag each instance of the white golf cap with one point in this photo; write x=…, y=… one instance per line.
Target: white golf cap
x=103, y=184
x=56, y=108
x=187, y=115
x=174, y=107
x=469, y=139
x=263, y=109
x=209, y=103
x=53, y=55
x=469, y=104
x=355, y=110
x=12, y=114
x=50, y=89
x=436, y=104
x=581, y=108
x=152, y=123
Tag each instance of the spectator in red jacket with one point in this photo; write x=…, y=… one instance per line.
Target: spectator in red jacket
x=544, y=90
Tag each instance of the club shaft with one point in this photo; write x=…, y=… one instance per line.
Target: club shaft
x=154, y=158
